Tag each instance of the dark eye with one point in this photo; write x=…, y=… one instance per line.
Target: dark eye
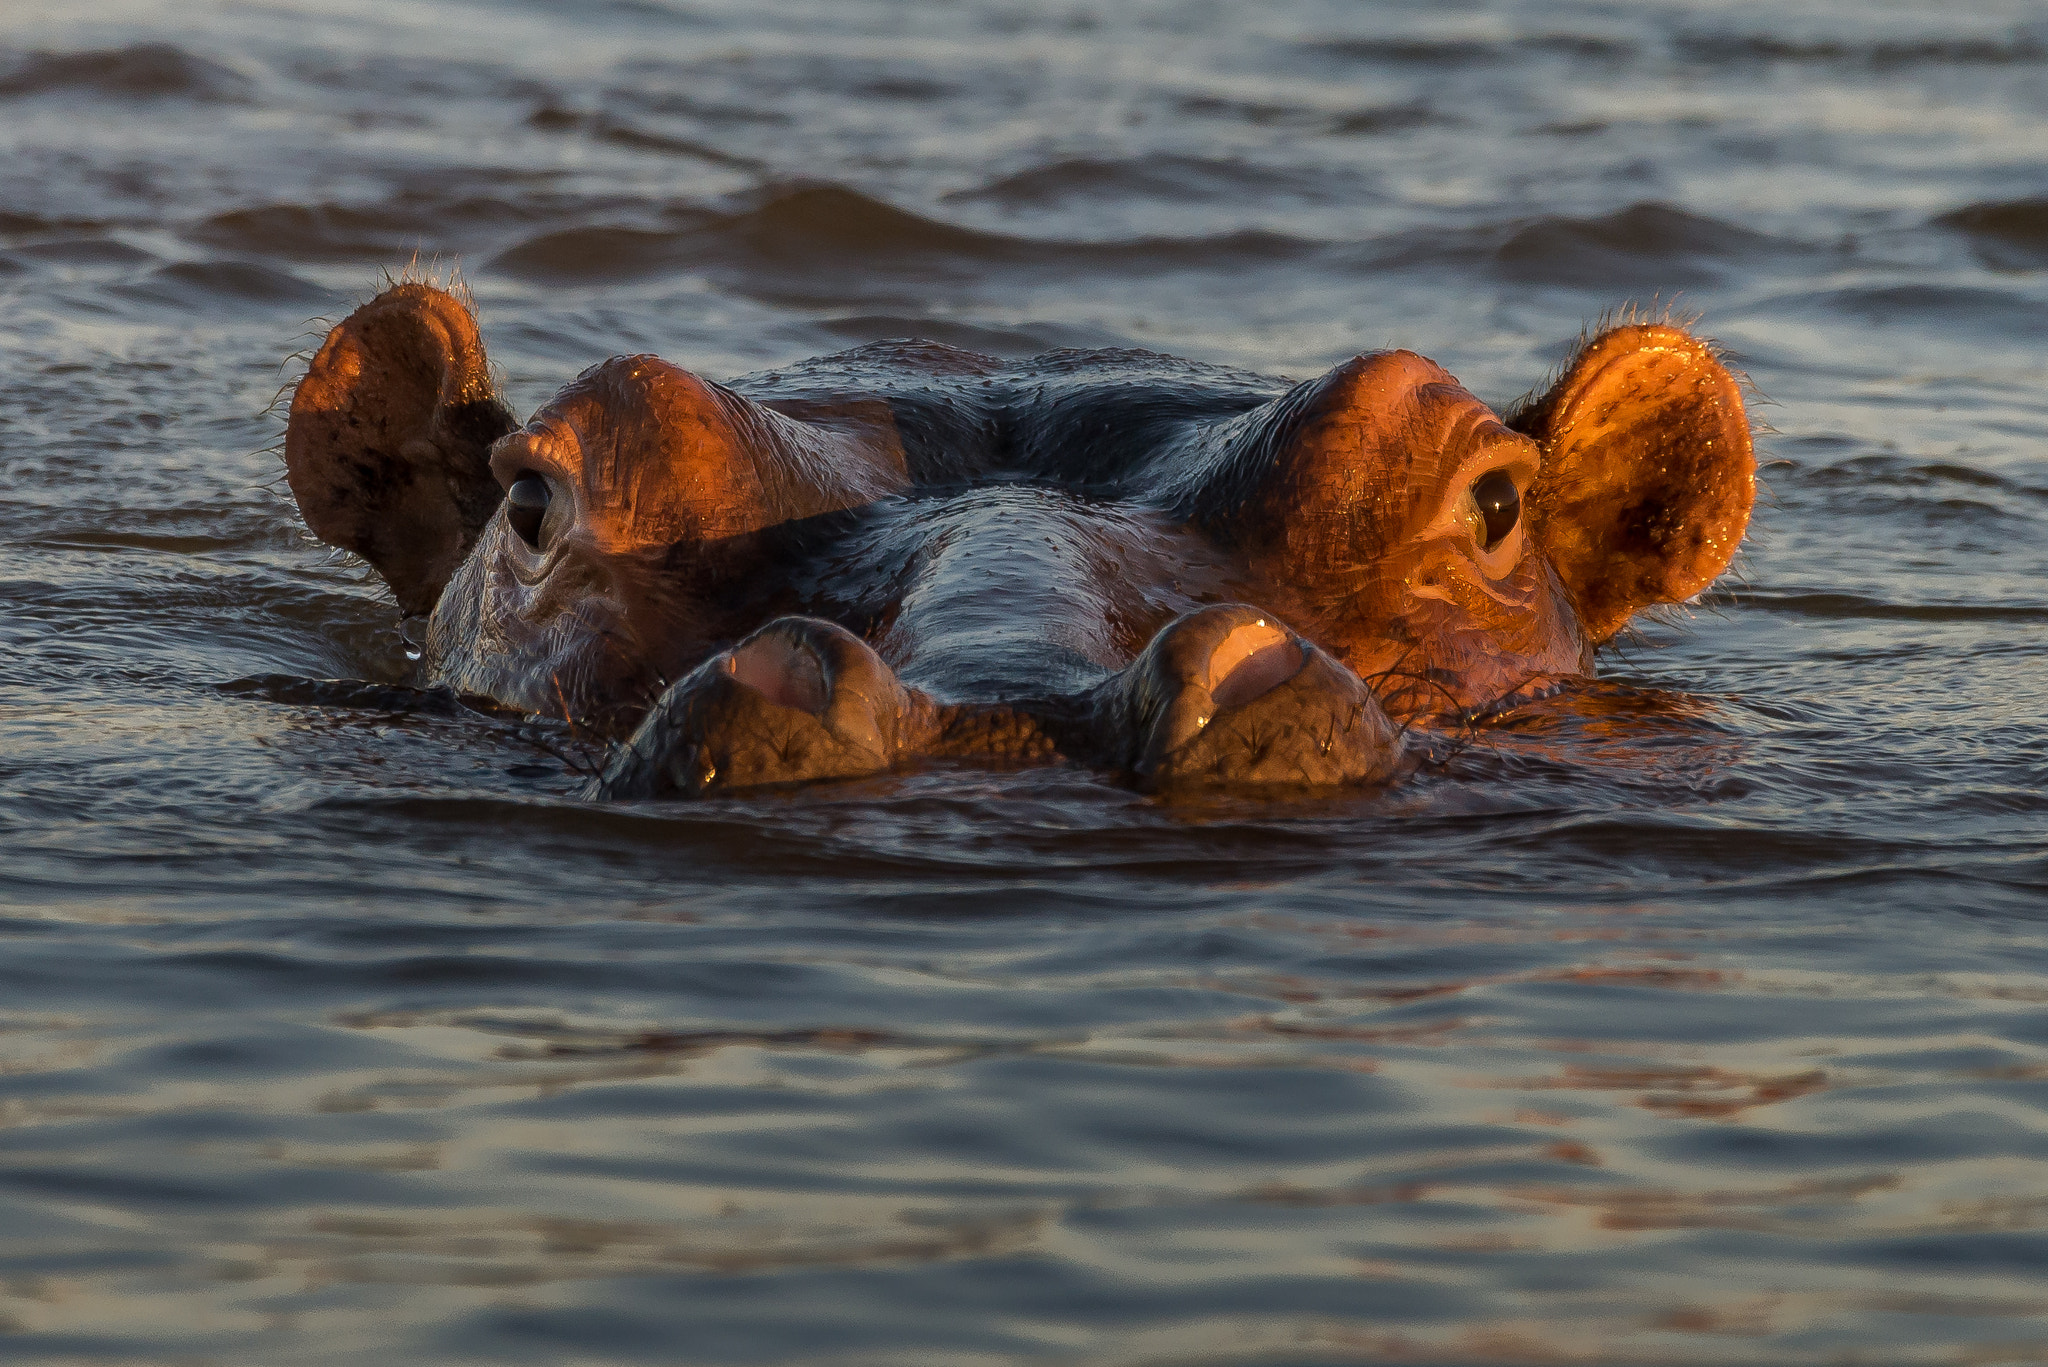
x=1499, y=503
x=526, y=503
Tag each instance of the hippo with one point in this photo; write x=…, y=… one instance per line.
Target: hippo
x=1188, y=576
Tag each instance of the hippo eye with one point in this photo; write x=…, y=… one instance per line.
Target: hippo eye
x=1499, y=504
x=526, y=503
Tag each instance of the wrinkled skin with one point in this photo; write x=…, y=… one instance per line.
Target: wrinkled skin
x=1190, y=576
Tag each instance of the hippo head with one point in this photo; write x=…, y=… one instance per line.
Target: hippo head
x=574, y=564
x=1187, y=575
x=1461, y=560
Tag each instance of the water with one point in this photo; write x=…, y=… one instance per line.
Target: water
x=1705, y=1029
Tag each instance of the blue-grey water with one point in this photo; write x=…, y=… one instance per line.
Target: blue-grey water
x=1710, y=1028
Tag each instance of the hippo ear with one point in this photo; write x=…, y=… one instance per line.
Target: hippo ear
x=1648, y=472
x=387, y=450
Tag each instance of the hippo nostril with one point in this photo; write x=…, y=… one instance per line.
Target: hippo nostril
x=1227, y=695
x=526, y=506
x=1252, y=661
x=782, y=671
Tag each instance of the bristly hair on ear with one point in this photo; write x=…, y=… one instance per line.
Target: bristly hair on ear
x=1648, y=474
x=292, y=366
x=1677, y=617
x=387, y=430
x=432, y=274
x=1658, y=312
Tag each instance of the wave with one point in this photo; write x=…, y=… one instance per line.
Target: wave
x=213, y=284
x=817, y=239
x=793, y=237
x=84, y=251
x=1414, y=51
x=321, y=232
x=1897, y=471
x=365, y=75
x=619, y=132
x=1027, y=339
x=1649, y=245
x=19, y=225
x=1649, y=242
x=1952, y=308
x=425, y=219
x=2006, y=234
x=2018, y=48
x=1165, y=177
x=1851, y=605
x=1926, y=491
x=827, y=221
x=143, y=71
x=825, y=240
x=1387, y=118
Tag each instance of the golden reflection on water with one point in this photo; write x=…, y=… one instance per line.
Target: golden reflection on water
x=1525, y=1179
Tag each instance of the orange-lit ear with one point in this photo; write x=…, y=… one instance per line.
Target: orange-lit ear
x=1648, y=472
x=387, y=450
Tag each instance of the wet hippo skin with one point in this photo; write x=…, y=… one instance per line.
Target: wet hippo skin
x=1187, y=575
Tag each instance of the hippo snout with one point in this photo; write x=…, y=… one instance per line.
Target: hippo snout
x=1225, y=697
x=1229, y=697
x=797, y=701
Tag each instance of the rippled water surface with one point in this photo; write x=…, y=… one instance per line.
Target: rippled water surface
x=1710, y=1027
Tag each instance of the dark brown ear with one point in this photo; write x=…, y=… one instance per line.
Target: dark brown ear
x=388, y=446
x=1648, y=472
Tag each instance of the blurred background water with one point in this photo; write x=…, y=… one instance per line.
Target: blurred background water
x=1709, y=1029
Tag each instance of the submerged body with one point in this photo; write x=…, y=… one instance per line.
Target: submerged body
x=1181, y=573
